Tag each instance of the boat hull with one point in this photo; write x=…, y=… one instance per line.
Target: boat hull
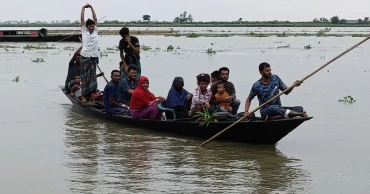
x=253, y=131
x=50, y=38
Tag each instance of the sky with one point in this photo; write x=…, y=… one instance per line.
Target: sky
x=201, y=10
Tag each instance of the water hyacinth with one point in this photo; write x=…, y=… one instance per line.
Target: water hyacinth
x=347, y=99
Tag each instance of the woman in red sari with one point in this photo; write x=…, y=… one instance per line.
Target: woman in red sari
x=143, y=103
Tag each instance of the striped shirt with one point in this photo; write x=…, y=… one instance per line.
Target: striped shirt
x=89, y=42
x=199, y=98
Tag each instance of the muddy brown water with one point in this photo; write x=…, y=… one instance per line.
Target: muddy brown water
x=46, y=147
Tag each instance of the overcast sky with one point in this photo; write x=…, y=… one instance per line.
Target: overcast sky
x=220, y=10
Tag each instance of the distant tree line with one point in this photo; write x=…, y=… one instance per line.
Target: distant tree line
x=337, y=20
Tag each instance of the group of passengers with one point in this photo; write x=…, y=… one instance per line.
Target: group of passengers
x=133, y=95
x=214, y=93
x=127, y=93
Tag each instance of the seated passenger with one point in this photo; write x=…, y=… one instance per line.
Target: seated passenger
x=230, y=89
x=76, y=89
x=127, y=85
x=143, y=103
x=201, y=95
x=178, y=99
x=265, y=89
x=222, y=96
x=110, y=96
x=215, y=77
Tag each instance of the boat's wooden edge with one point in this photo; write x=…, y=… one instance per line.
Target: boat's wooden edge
x=244, y=121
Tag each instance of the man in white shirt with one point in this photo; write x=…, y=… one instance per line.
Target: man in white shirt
x=89, y=53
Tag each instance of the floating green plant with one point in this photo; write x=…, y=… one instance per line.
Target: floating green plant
x=5, y=46
x=103, y=54
x=145, y=48
x=38, y=60
x=169, y=48
x=205, y=117
x=282, y=35
x=347, y=99
x=16, y=79
x=308, y=47
x=210, y=51
x=192, y=35
x=29, y=47
x=113, y=48
x=69, y=48
x=323, y=32
x=286, y=46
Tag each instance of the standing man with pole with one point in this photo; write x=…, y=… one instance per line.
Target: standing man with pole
x=129, y=47
x=89, y=53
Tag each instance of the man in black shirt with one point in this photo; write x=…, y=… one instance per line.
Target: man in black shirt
x=230, y=89
x=129, y=47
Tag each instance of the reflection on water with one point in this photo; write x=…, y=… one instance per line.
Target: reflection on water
x=109, y=157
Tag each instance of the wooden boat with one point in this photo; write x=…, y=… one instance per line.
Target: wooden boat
x=36, y=36
x=256, y=131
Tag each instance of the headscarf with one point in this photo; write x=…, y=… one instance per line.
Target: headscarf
x=203, y=77
x=140, y=97
x=176, y=96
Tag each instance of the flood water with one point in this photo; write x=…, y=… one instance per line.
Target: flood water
x=47, y=147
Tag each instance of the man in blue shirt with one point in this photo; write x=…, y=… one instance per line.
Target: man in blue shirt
x=127, y=85
x=110, y=96
x=268, y=87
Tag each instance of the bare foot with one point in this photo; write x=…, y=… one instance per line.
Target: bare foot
x=267, y=117
x=305, y=114
x=84, y=100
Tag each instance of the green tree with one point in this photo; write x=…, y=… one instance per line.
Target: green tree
x=146, y=17
x=176, y=20
x=335, y=20
x=190, y=18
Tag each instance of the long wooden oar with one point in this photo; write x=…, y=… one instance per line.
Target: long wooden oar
x=309, y=75
x=76, y=34
x=101, y=72
x=97, y=66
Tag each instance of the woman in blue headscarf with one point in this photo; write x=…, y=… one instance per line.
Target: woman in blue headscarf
x=178, y=99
